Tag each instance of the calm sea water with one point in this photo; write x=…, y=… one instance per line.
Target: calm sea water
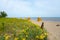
x=47, y=18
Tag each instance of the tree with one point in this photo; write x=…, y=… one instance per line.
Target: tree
x=3, y=14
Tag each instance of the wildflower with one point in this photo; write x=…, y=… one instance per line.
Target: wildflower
x=45, y=34
x=23, y=39
x=42, y=36
x=26, y=35
x=5, y=35
x=37, y=36
x=15, y=38
x=6, y=38
x=23, y=31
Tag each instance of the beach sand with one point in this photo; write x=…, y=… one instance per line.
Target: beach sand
x=50, y=26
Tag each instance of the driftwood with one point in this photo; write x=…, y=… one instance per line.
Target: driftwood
x=42, y=25
x=57, y=25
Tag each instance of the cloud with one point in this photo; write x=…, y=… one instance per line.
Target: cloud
x=16, y=7
x=33, y=8
x=47, y=8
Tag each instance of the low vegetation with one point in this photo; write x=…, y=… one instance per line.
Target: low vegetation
x=39, y=19
x=20, y=29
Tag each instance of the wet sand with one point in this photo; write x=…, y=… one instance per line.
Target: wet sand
x=53, y=30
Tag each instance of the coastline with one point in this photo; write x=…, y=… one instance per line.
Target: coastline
x=50, y=26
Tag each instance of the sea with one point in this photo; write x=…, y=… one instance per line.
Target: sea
x=47, y=18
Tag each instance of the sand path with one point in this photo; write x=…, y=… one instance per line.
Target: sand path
x=53, y=30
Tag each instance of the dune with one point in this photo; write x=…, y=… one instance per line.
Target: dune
x=50, y=26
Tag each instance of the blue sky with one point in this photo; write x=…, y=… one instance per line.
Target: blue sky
x=31, y=8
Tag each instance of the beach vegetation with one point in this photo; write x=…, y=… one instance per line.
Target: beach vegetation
x=28, y=18
x=39, y=19
x=20, y=29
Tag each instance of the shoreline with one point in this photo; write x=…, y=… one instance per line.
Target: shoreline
x=50, y=26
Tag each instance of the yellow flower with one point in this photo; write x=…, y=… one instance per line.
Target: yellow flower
x=15, y=38
x=37, y=36
x=26, y=35
x=42, y=36
x=23, y=39
x=23, y=31
x=6, y=37
x=45, y=34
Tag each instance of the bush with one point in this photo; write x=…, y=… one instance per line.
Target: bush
x=39, y=19
x=28, y=18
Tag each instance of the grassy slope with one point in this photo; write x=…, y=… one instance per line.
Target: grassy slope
x=20, y=28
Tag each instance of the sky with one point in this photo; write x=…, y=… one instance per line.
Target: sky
x=31, y=8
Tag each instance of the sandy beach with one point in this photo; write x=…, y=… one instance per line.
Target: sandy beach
x=50, y=26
